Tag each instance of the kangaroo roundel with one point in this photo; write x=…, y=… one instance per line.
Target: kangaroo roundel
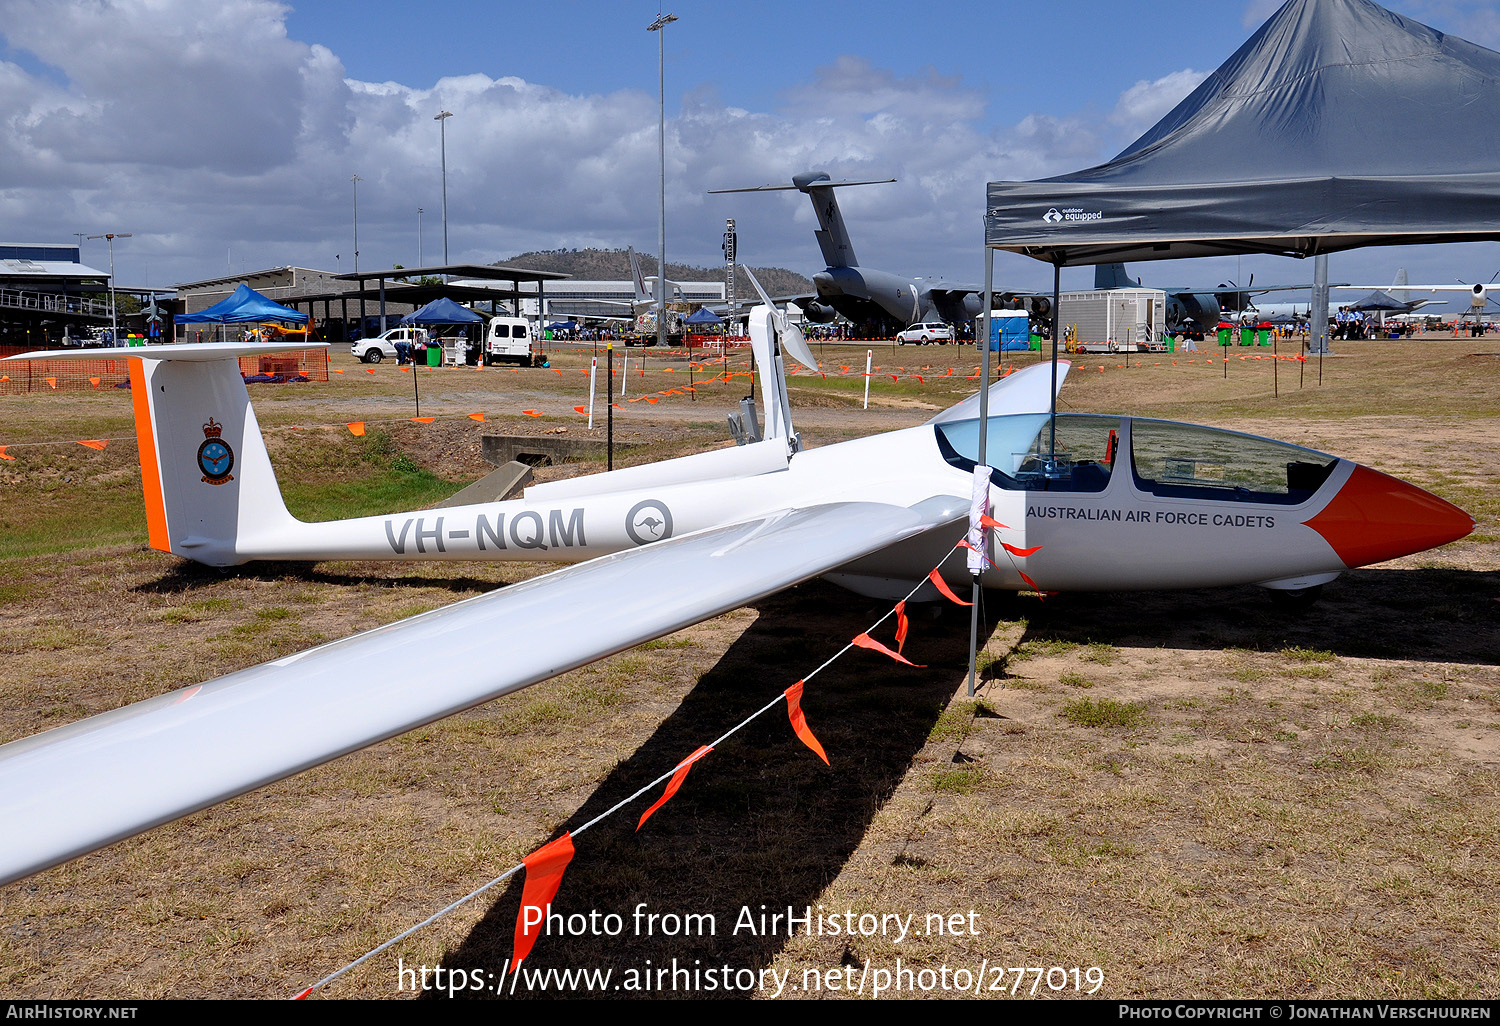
x=648, y=521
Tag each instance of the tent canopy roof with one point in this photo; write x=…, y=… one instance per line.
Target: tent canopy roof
x=442, y=311
x=1280, y=151
x=244, y=305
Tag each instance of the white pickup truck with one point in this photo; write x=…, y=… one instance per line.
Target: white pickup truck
x=383, y=346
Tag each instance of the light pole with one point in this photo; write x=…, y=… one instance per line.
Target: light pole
x=114, y=331
x=419, y=237
x=661, y=22
x=355, y=180
x=442, y=119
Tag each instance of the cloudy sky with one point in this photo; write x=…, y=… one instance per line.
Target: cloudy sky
x=223, y=133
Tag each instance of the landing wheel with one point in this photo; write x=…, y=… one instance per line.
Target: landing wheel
x=373, y=356
x=1294, y=600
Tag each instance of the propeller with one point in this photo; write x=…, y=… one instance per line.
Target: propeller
x=789, y=334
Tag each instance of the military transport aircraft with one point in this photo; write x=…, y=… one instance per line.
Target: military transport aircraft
x=1082, y=502
x=1206, y=307
x=864, y=293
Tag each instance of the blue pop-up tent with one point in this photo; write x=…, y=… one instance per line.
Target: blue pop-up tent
x=703, y=315
x=244, y=305
x=442, y=311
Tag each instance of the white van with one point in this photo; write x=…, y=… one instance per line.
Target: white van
x=511, y=339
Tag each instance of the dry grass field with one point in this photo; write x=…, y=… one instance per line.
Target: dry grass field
x=1196, y=793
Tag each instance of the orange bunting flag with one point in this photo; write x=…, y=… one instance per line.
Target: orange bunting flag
x=544, y=873
x=337, y=371
x=992, y=523
x=422, y=420
x=5, y=378
x=93, y=443
x=94, y=382
x=3, y=455
x=52, y=382
x=1019, y=552
x=477, y=416
x=950, y=373
x=865, y=641
x=672, y=785
x=903, y=624
x=1032, y=584
x=843, y=370
x=895, y=380
x=532, y=413
x=581, y=409
x=404, y=370
x=357, y=428
x=371, y=370
x=652, y=400
x=799, y=722
x=920, y=378
x=942, y=586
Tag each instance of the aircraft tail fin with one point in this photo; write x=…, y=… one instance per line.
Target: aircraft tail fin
x=1113, y=276
x=641, y=295
x=1398, y=289
x=205, y=473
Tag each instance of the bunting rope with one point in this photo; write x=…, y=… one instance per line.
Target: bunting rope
x=544, y=862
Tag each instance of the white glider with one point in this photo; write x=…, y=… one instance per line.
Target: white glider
x=1085, y=503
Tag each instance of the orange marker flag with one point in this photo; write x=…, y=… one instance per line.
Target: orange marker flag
x=799, y=721
x=544, y=873
x=337, y=371
x=477, y=416
x=422, y=420
x=865, y=641
x=894, y=379
x=3, y=456
x=1032, y=584
x=93, y=443
x=1019, y=552
x=404, y=370
x=94, y=382
x=920, y=378
x=992, y=523
x=676, y=782
x=581, y=409
x=903, y=624
x=532, y=413
x=5, y=378
x=942, y=586
x=557, y=372
x=371, y=370
x=52, y=382
x=652, y=400
x=357, y=428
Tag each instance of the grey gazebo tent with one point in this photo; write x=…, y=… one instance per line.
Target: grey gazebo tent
x=1279, y=151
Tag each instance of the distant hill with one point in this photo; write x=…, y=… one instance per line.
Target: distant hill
x=614, y=265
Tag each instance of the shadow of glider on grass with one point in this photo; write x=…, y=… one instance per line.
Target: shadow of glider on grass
x=1099, y=503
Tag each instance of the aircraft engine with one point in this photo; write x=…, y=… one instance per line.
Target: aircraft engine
x=1041, y=306
x=973, y=303
x=818, y=313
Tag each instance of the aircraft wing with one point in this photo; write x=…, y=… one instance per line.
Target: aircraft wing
x=69, y=791
x=1026, y=391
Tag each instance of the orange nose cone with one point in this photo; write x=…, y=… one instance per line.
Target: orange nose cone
x=1375, y=517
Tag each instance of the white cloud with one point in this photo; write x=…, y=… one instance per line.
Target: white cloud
x=1146, y=102
x=203, y=129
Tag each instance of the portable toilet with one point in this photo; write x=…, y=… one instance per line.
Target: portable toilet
x=1010, y=330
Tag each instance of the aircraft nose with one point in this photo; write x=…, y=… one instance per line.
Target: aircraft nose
x=1375, y=517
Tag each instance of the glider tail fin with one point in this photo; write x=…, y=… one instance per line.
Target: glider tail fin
x=210, y=493
x=207, y=478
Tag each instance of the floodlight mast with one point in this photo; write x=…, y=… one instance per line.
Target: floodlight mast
x=661, y=22
x=355, y=180
x=442, y=119
x=114, y=330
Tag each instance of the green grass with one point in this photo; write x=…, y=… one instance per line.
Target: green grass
x=1105, y=712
